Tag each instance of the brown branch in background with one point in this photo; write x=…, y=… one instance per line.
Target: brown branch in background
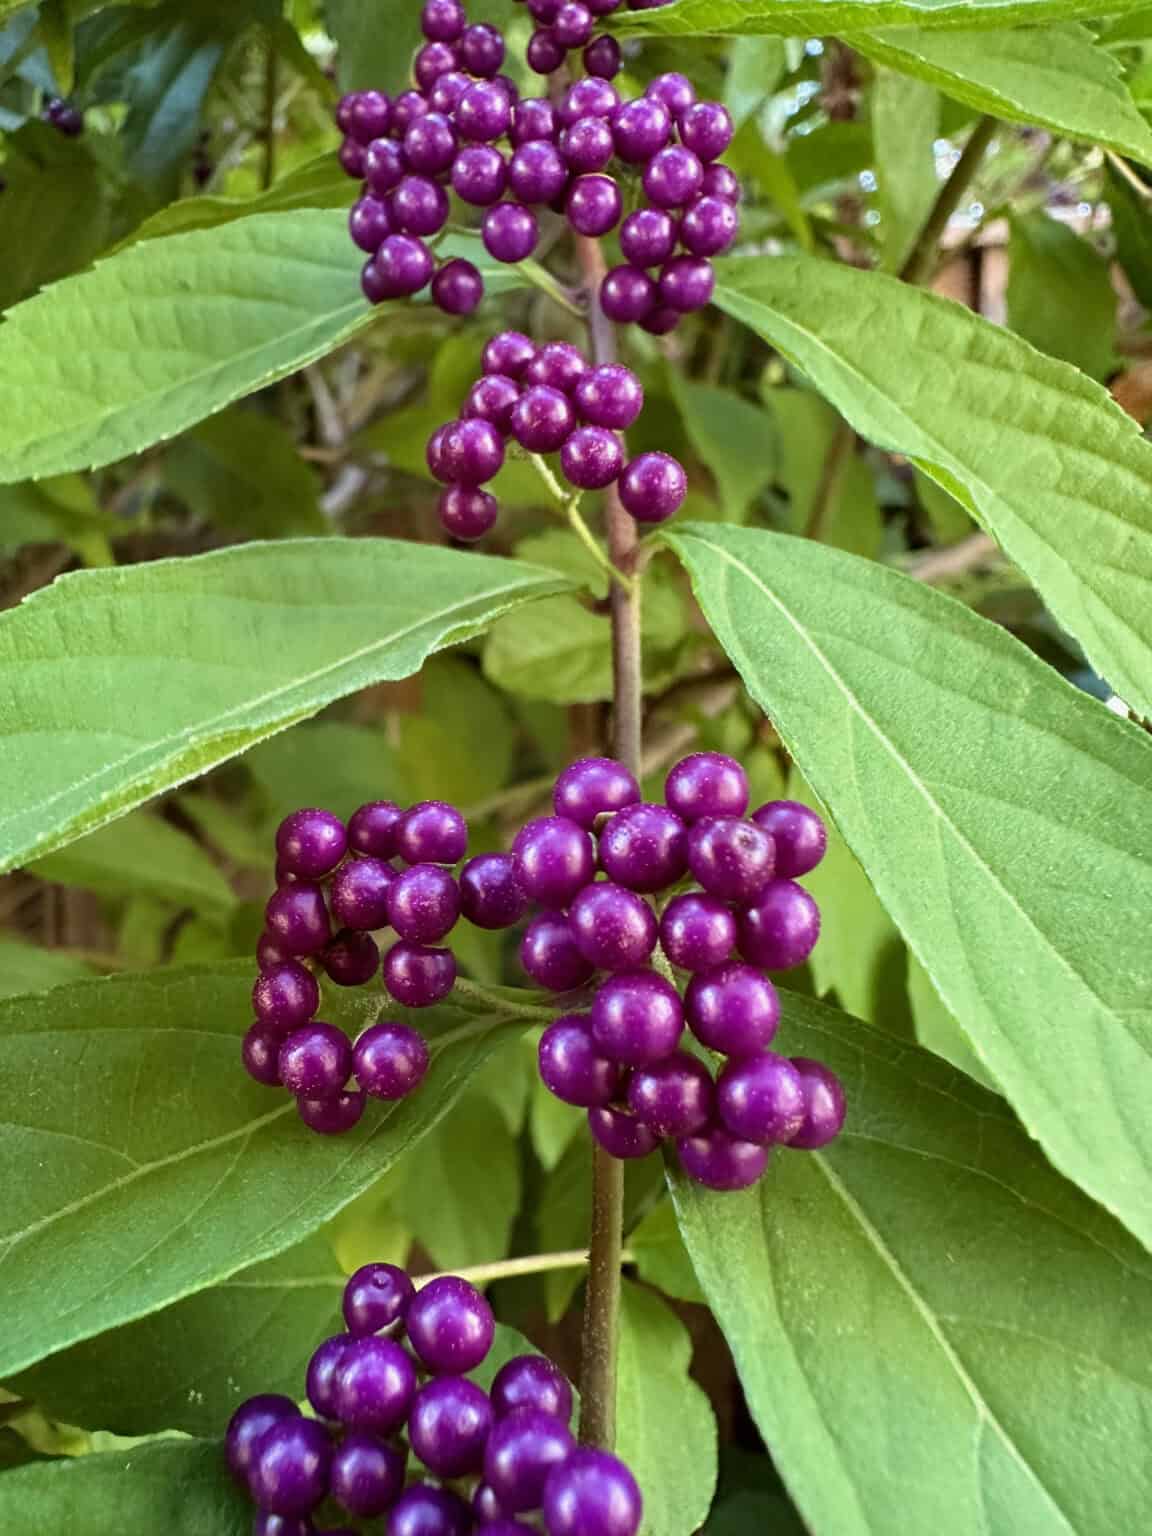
x=841, y=447
x=271, y=92
x=957, y=560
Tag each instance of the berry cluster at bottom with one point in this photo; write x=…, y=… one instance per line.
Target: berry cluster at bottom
x=488, y=1458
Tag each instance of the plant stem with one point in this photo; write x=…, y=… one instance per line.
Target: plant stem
x=569, y=504
x=922, y=262
x=506, y=1269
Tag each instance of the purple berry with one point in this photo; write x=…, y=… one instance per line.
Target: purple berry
x=673, y=177
x=587, y=145
x=64, y=117
x=537, y=172
x=733, y=1009
x=450, y=1326
x=432, y=61
x=448, y=1426
x=320, y=1381
x=260, y=1053
x=707, y=784
x=553, y=858
x=697, y=932
x=644, y=847
x=404, y=265
x=457, y=288
x=558, y=365
x=709, y=226
x=641, y=129
x=621, y=1134
x=542, y=419
x=360, y=894
x=532, y=119
x=484, y=113
x=418, y=977
x=653, y=487
x=573, y=25
x=298, y=919
x=550, y=955
x=374, y=1385
x=720, y=181
x=761, y=1098
x=594, y=205
x=430, y=144
x=479, y=175
x=365, y=115
x=285, y=996
x=467, y=513
x=824, y=1106
x=481, y=50
x=265, y=1524
x=731, y=858
x=384, y=166
x=531, y=1381
x=352, y=959
x=370, y=223
x=424, y=903
x=615, y=929
x=592, y=458
x=367, y=1474
x=573, y=1068
x=442, y=21
x=445, y=96
x=637, y=1018
x=421, y=207
x=595, y=785
x=432, y=832
x=510, y=353
x=673, y=1097
x=422, y=1510
x=544, y=53
x=592, y=1494
x=408, y=107
x=290, y=1467
x=372, y=829
x=781, y=930
x=800, y=836
x=332, y=1117
x=687, y=283
x=610, y=396
x=627, y=295
x=492, y=399
x=389, y=1060
x=706, y=129
x=316, y=1061
x=472, y=451
x=270, y=952
x=510, y=232
x=660, y=321
x=523, y=1448
x=486, y=1506
x=352, y=159
x=676, y=91
x=375, y=1297
x=249, y=1423
x=490, y=894
x=722, y=1162
x=602, y=57
x=589, y=97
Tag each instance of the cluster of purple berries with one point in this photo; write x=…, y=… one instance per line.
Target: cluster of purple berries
x=548, y=399
x=336, y=885
x=732, y=886
x=63, y=116
x=492, y=1456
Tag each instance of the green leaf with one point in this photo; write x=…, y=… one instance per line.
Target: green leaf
x=1053, y=468
x=756, y=65
x=241, y=470
x=141, y=855
x=128, y=1098
x=733, y=437
x=1132, y=226
x=458, y=710
x=867, y=1309
x=1003, y=817
x=938, y=1031
x=665, y=1429
x=29, y=968
x=63, y=509
x=803, y=18
x=813, y=463
x=190, y=1366
x=661, y=1257
x=56, y=31
x=1056, y=77
x=119, y=684
x=329, y=763
x=181, y=1488
x=905, y=126
x=56, y=215
x=1054, y=272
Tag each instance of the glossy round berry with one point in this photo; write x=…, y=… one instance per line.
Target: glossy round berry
x=621, y=1135
x=298, y=919
x=627, y=295
x=687, y=283
x=537, y=172
x=424, y=903
x=595, y=785
x=484, y=113
x=731, y=858
x=374, y=1384
x=316, y=1061
x=510, y=353
x=510, y=232
x=522, y=1449
x=266, y=1524
x=697, y=932
x=589, y=97
x=733, y=1009
x=403, y=264
x=479, y=175
x=722, y=1162
x=531, y=1381
x=443, y=21
x=614, y=928
x=432, y=832
x=592, y=458
x=285, y=996
x=490, y=894
x=709, y=226
x=446, y=94
x=290, y=1467
x=351, y=960
x=542, y=419
x=824, y=1106
x=554, y=858
x=602, y=57
x=573, y=1068
x=432, y=61
x=249, y=1423
x=457, y=288
x=64, y=117
x=532, y=119
x=420, y=205
x=320, y=1381
x=384, y=167
x=418, y=977
x=467, y=513
x=592, y=1494
x=360, y=893
x=448, y=1426
x=676, y=91
x=334, y=1116
x=389, y=1060
x=594, y=205
x=558, y=365
x=352, y=159
x=372, y=829
x=550, y=955
x=641, y=129
x=780, y=931
x=637, y=1017
x=492, y=398
x=370, y=223
x=653, y=487
x=430, y=144
x=422, y=1510
x=660, y=321
x=761, y=1098
x=610, y=396
x=260, y=1053
x=644, y=847
x=673, y=1097
x=367, y=1474
x=486, y=1506
x=473, y=451
x=481, y=50
x=573, y=25
x=544, y=53
x=450, y=1326
x=707, y=784
x=270, y=952
x=800, y=836
x=721, y=181
x=673, y=178
x=375, y=1297
x=587, y=145
x=706, y=129
x=365, y=115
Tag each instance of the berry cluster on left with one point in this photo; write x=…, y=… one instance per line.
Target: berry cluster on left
x=473, y=1461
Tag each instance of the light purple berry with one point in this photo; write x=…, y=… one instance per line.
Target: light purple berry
x=510, y=353
x=592, y=1494
x=424, y=903
x=780, y=931
x=589, y=97
x=733, y=1009
x=761, y=1098
x=614, y=928
x=450, y=1326
x=637, y=1017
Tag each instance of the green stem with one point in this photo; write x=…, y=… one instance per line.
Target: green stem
x=507, y=1269
x=921, y=264
x=569, y=504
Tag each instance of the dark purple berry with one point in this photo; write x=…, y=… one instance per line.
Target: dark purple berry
x=707, y=784
x=422, y=1510
x=316, y=1061
x=374, y=1384
x=430, y=144
x=446, y=94
x=406, y=109
x=509, y=353
x=532, y=119
x=457, y=288
x=781, y=930
x=644, y=847
x=479, y=175
x=544, y=53
x=800, y=836
x=573, y=1068
x=734, y=1010
x=432, y=832
x=492, y=398
x=706, y=129
x=360, y=894
x=537, y=172
x=587, y=145
x=490, y=894
x=641, y=129
x=523, y=1448
x=610, y=396
x=403, y=265
x=365, y=115
x=260, y=1053
x=687, y=283
x=594, y=205
x=542, y=419
x=367, y=1474
x=510, y=232
x=448, y=1426
x=384, y=166
x=592, y=458
x=320, y=1381
x=64, y=117
x=352, y=959
x=602, y=57
x=442, y=21
x=709, y=226
x=481, y=50
x=372, y=829
x=531, y=1381
x=676, y=91
x=418, y=977
x=731, y=858
x=389, y=1060
x=290, y=1467
x=270, y=952
x=432, y=61
x=550, y=955
x=660, y=321
x=352, y=159
x=621, y=1134
x=761, y=1098
x=721, y=181
x=637, y=1018
x=824, y=1106
x=424, y=903
x=589, y=97
x=249, y=1423
x=421, y=206
x=467, y=513
x=722, y=1162
x=697, y=932
x=554, y=858
x=592, y=1494
x=285, y=996
x=673, y=1097
x=265, y=1524
x=614, y=928
x=375, y=1297
x=596, y=785
x=298, y=919
x=627, y=295
x=370, y=223
x=332, y=1117
x=673, y=177
x=450, y=1326
x=484, y=113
